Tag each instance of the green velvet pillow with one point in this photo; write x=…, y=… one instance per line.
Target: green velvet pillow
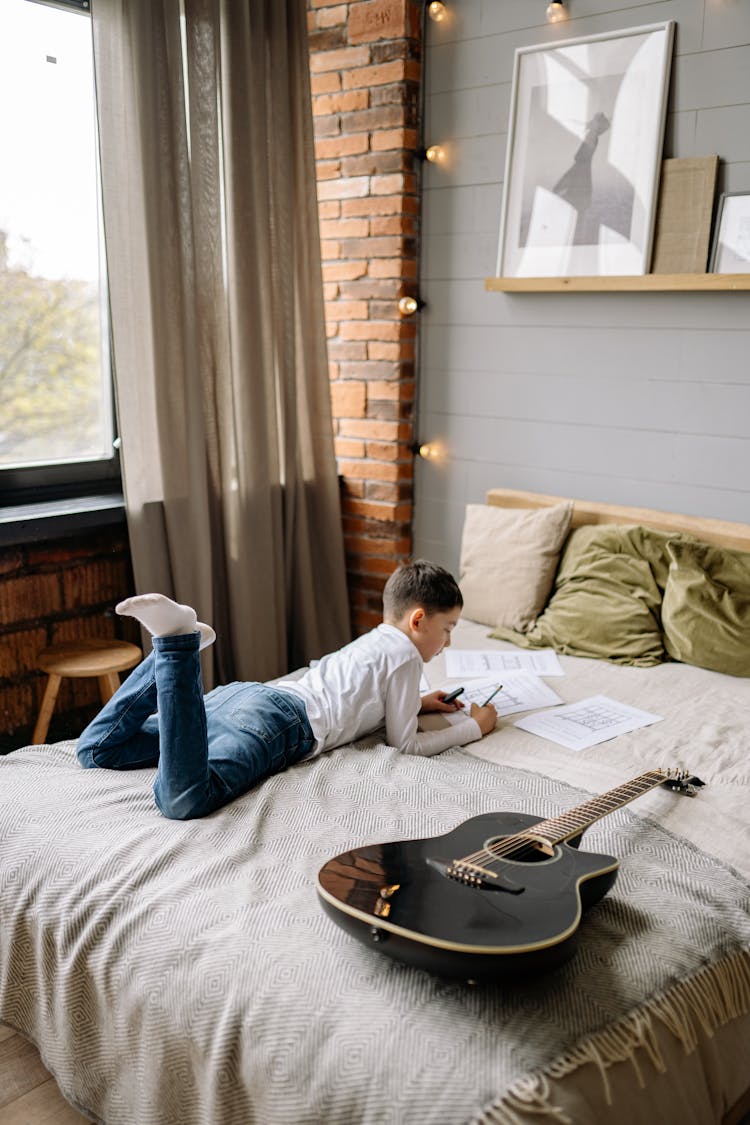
x=607, y=598
x=706, y=609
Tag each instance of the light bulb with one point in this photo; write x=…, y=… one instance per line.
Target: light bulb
x=435, y=154
x=555, y=11
x=407, y=306
x=427, y=451
x=437, y=10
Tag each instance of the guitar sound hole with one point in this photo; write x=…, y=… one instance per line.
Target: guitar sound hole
x=524, y=853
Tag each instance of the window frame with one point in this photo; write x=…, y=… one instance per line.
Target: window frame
x=59, y=481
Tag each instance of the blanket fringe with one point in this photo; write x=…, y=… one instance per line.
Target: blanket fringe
x=703, y=1003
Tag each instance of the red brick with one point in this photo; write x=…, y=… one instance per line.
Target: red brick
x=381, y=491
x=377, y=19
x=376, y=164
x=19, y=651
x=374, y=510
x=350, y=349
x=99, y=581
x=343, y=60
x=385, y=451
x=326, y=39
x=345, y=189
x=326, y=126
x=340, y=102
x=347, y=310
x=341, y=146
x=371, y=247
x=29, y=597
x=379, y=117
x=328, y=170
x=329, y=210
x=393, y=267
x=371, y=330
x=344, y=447
x=338, y=270
x=355, y=289
x=394, y=224
x=359, y=74
x=348, y=399
x=394, y=138
x=385, y=205
x=376, y=349
x=365, y=620
x=370, y=428
x=377, y=470
x=325, y=83
x=345, y=228
x=369, y=369
x=328, y=17
x=371, y=546
x=389, y=185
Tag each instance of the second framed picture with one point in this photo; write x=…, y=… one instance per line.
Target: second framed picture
x=584, y=151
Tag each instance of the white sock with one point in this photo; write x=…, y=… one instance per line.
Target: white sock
x=165, y=618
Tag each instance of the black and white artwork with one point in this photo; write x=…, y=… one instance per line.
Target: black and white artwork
x=584, y=152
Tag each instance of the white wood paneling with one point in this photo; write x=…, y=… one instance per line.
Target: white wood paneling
x=636, y=398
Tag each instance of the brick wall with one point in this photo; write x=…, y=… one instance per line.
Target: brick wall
x=365, y=60
x=57, y=591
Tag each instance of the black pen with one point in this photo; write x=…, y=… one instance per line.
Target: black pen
x=490, y=697
x=452, y=695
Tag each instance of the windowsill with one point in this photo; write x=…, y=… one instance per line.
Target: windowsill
x=52, y=519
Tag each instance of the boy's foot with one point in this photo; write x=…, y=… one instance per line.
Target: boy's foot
x=165, y=618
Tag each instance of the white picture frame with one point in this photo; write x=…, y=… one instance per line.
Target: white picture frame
x=731, y=248
x=584, y=153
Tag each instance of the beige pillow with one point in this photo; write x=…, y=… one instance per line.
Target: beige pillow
x=508, y=561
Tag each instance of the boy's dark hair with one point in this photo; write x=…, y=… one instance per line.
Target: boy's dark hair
x=420, y=583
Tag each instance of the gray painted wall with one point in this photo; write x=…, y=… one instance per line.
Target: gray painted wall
x=630, y=398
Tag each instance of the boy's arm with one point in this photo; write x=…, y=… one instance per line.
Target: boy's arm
x=402, y=704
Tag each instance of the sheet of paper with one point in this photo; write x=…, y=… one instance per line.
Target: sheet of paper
x=462, y=663
x=521, y=691
x=587, y=723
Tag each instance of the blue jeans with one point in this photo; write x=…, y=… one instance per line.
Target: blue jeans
x=208, y=749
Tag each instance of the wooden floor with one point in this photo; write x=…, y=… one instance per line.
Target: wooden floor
x=28, y=1093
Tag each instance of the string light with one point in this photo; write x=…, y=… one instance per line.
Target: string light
x=437, y=10
x=407, y=306
x=428, y=451
x=556, y=11
x=435, y=154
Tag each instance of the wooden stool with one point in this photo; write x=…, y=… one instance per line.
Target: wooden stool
x=91, y=657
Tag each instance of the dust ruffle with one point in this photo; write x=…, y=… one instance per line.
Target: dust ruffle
x=701, y=1004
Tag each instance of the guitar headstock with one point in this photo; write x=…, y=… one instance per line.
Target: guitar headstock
x=681, y=781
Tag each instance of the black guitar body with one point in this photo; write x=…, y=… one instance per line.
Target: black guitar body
x=504, y=916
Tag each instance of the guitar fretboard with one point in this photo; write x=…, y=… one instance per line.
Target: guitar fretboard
x=569, y=824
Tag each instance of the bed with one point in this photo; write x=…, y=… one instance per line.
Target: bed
x=179, y=973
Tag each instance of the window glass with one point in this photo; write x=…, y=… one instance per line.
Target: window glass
x=55, y=381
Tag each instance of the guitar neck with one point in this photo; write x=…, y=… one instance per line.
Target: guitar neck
x=572, y=823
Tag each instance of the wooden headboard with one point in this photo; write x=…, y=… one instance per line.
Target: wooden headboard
x=721, y=532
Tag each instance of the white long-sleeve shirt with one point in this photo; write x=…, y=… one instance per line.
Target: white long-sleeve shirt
x=373, y=681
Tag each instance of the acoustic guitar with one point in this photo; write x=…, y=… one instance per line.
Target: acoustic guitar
x=502, y=894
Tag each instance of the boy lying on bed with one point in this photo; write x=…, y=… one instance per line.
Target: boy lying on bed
x=211, y=749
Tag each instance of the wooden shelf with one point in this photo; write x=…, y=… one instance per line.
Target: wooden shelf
x=675, y=282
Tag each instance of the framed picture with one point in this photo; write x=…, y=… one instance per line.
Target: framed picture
x=584, y=152
x=731, y=250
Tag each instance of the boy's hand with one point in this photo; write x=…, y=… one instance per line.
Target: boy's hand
x=486, y=716
x=434, y=702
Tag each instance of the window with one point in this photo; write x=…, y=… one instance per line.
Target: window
x=56, y=409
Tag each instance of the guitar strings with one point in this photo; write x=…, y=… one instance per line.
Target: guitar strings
x=572, y=821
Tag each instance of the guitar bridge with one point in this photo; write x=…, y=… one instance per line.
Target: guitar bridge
x=473, y=875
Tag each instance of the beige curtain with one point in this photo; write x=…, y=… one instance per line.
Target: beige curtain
x=211, y=231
